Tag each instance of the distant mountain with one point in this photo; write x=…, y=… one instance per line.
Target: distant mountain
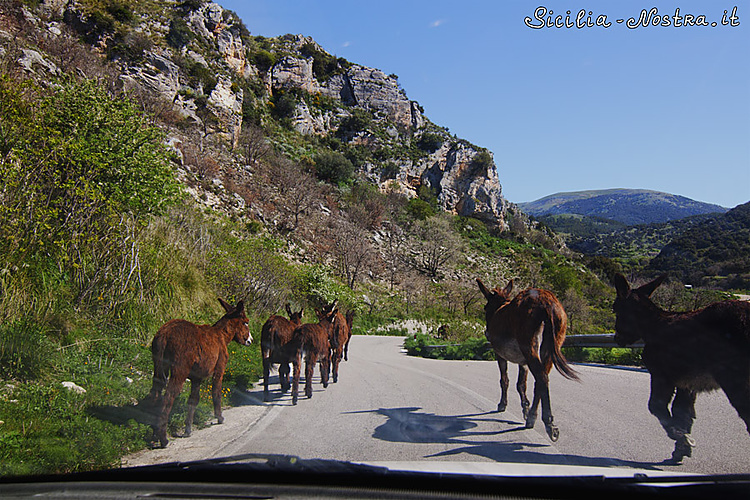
x=628, y=206
x=715, y=252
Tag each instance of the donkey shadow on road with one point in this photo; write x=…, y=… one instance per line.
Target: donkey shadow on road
x=412, y=425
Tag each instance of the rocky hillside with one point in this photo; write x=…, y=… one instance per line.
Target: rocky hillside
x=628, y=206
x=198, y=65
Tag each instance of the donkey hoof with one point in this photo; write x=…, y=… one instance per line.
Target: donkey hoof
x=553, y=432
x=530, y=421
x=501, y=407
x=219, y=420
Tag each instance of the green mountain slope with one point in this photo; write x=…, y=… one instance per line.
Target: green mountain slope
x=715, y=252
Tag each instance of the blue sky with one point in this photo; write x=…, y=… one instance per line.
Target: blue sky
x=562, y=109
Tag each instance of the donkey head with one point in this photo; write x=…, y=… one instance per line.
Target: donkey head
x=496, y=298
x=237, y=323
x=295, y=317
x=633, y=309
x=327, y=312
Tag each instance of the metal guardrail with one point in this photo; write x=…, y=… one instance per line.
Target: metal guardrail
x=599, y=340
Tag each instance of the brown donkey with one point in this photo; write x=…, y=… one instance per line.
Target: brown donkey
x=313, y=341
x=340, y=335
x=529, y=331
x=275, y=338
x=183, y=350
x=686, y=353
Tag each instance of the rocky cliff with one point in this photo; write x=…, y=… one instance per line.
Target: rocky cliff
x=202, y=59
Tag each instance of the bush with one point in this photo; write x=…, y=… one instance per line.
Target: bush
x=179, y=33
x=333, y=167
x=25, y=351
x=420, y=209
x=430, y=142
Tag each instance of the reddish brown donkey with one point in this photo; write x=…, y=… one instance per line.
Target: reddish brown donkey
x=529, y=331
x=275, y=337
x=341, y=332
x=182, y=350
x=313, y=341
x=686, y=353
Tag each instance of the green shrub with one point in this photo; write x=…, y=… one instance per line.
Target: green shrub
x=179, y=33
x=333, y=167
x=419, y=209
x=25, y=350
x=430, y=142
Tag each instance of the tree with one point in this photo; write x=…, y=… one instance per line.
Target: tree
x=299, y=190
x=434, y=245
x=352, y=251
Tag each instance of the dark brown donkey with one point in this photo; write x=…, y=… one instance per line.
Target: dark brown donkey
x=529, y=331
x=686, y=353
x=182, y=350
x=313, y=341
x=340, y=334
x=275, y=337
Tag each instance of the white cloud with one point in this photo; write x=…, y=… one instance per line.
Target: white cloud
x=346, y=43
x=437, y=23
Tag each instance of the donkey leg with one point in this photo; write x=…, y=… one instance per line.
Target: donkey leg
x=195, y=386
x=159, y=382
x=737, y=388
x=310, y=362
x=284, y=376
x=174, y=387
x=541, y=394
x=296, y=361
x=335, y=360
x=662, y=393
x=521, y=388
x=325, y=368
x=216, y=388
x=683, y=416
x=503, y=365
x=266, y=376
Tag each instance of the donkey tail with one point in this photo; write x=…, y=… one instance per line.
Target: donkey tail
x=554, y=335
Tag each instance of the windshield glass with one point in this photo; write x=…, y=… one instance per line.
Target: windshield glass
x=491, y=238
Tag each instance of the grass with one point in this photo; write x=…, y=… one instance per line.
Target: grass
x=46, y=428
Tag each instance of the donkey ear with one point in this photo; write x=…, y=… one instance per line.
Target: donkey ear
x=226, y=306
x=509, y=287
x=621, y=285
x=649, y=288
x=240, y=306
x=487, y=294
x=288, y=309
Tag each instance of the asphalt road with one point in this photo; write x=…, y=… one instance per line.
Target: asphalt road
x=390, y=407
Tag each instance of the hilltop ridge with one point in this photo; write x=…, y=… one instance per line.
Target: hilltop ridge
x=628, y=206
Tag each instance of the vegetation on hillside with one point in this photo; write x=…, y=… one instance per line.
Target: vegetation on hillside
x=715, y=252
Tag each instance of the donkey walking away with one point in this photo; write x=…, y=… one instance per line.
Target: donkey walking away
x=340, y=335
x=686, y=353
x=275, y=339
x=182, y=350
x=313, y=341
x=527, y=330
